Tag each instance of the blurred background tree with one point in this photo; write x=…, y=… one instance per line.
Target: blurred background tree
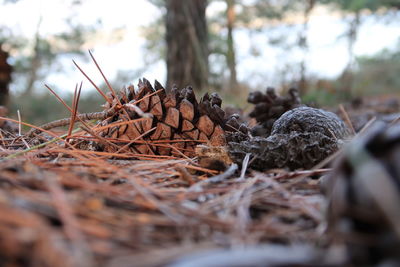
x=187, y=43
x=34, y=59
x=378, y=71
x=5, y=76
x=352, y=11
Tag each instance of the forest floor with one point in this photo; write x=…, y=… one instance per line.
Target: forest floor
x=62, y=206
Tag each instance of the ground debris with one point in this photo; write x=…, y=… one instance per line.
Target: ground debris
x=85, y=208
x=110, y=209
x=101, y=207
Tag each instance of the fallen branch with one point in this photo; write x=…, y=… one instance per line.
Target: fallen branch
x=66, y=121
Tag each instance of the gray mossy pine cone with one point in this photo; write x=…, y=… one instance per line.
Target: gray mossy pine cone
x=300, y=138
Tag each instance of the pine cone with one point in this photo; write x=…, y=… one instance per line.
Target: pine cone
x=269, y=107
x=177, y=117
x=300, y=138
x=364, y=196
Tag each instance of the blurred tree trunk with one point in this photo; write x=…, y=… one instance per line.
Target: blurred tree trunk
x=5, y=77
x=35, y=62
x=347, y=77
x=352, y=35
x=303, y=44
x=231, y=55
x=187, y=43
x=33, y=71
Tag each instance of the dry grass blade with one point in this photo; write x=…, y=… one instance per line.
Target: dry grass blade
x=125, y=147
x=100, y=139
x=30, y=125
x=366, y=126
x=147, y=96
x=395, y=120
x=29, y=149
x=59, y=98
x=56, y=138
x=105, y=78
x=245, y=165
x=82, y=117
x=347, y=119
x=19, y=123
x=75, y=102
x=94, y=85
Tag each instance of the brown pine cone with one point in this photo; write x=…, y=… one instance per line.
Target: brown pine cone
x=269, y=107
x=174, y=116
